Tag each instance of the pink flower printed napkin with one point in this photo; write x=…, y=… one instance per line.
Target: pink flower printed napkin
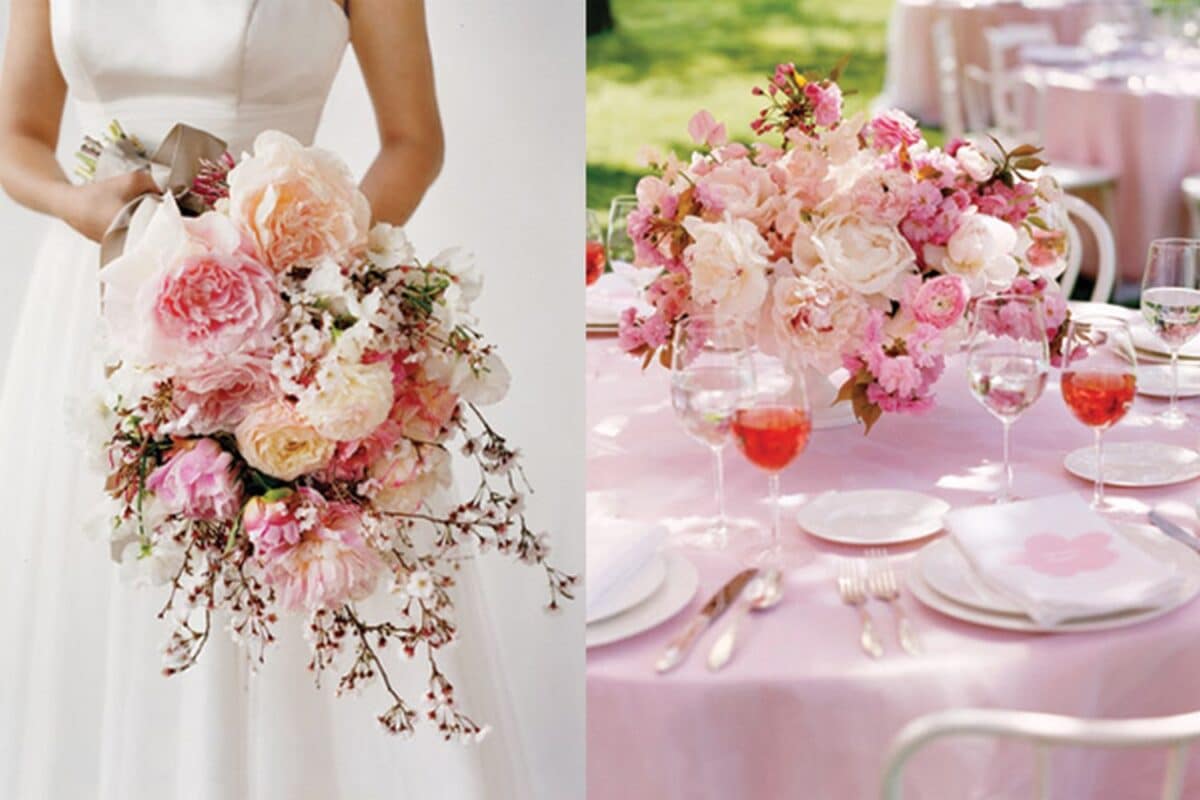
x=1058, y=560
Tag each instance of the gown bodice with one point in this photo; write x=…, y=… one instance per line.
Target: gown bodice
x=230, y=67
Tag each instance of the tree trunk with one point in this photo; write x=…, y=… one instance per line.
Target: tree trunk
x=599, y=16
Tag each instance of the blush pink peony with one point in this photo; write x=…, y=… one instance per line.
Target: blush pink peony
x=198, y=481
x=422, y=407
x=216, y=395
x=409, y=475
x=298, y=204
x=271, y=524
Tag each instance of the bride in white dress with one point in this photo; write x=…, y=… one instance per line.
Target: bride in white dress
x=84, y=709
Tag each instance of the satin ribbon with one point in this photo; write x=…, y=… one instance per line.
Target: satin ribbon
x=173, y=166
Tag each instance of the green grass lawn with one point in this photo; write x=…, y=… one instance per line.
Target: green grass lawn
x=669, y=58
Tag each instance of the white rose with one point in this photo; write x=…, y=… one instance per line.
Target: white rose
x=975, y=163
x=348, y=401
x=728, y=262
x=981, y=252
x=869, y=257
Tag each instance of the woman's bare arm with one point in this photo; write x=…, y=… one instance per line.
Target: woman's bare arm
x=390, y=41
x=32, y=93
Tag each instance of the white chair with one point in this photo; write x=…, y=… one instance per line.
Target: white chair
x=1080, y=211
x=1045, y=731
x=1191, y=193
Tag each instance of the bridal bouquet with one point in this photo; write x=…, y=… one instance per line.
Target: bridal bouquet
x=286, y=385
x=846, y=243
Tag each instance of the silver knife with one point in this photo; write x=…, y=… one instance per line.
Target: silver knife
x=681, y=645
x=1174, y=531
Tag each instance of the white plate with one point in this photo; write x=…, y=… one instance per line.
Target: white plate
x=1145, y=341
x=633, y=591
x=672, y=597
x=1137, y=464
x=872, y=516
x=975, y=613
x=946, y=570
x=1154, y=380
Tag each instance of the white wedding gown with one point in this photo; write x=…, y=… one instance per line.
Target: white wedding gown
x=85, y=713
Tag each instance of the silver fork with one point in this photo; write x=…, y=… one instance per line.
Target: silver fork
x=852, y=586
x=885, y=586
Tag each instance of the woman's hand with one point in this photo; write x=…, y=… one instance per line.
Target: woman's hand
x=91, y=207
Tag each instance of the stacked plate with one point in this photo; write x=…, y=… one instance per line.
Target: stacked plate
x=872, y=517
x=943, y=579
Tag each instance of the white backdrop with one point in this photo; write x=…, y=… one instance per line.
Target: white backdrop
x=511, y=86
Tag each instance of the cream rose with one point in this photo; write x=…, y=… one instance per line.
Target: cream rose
x=975, y=163
x=728, y=262
x=276, y=440
x=408, y=476
x=348, y=401
x=299, y=204
x=869, y=257
x=981, y=253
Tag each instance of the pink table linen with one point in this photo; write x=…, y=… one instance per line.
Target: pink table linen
x=1146, y=129
x=801, y=713
x=911, y=81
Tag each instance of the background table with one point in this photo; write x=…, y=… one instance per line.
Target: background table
x=801, y=714
x=911, y=82
x=1145, y=128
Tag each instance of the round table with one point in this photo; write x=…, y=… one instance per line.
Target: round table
x=801, y=713
x=911, y=81
x=1142, y=121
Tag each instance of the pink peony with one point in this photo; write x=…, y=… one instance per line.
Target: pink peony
x=826, y=102
x=891, y=129
x=331, y=563
x=298, y=204
x=198, y=481
x=188, y=291
x=408, y=476
x=737, y=188
x=351, y=460
x=271, y=524
x=939, y=302
x=215, y=395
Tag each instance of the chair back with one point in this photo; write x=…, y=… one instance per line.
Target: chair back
x=1004, y=43
x=1045, y=732
x=1080, y=211
x=949, y=90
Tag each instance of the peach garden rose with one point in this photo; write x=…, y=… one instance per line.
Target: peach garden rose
x=298, y=204
x=275, y=439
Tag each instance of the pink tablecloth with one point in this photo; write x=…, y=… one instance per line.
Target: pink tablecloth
x=802, y=714
x=1146, y=131
x=911, y=82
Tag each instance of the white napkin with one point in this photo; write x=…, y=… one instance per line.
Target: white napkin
x=616, y=291
x=616, y=551
x=1057, y=559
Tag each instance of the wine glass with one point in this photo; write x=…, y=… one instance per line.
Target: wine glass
x=710, y=372
x=1171, y=304
x=596, y=255
x=1008, y=359
x=619, y=243
x=771, y=426
x=1099, y=379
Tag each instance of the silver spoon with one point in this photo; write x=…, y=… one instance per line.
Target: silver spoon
x=763, y=593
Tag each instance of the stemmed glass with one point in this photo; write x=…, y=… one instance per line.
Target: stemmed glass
x=619, y=243
x=771, y=427
x=1008, y=359
x=1099, y=380
x=1171, y=304
x=710, y=372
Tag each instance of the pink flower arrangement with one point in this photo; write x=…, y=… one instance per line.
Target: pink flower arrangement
x=851, y=242
x=285, y=387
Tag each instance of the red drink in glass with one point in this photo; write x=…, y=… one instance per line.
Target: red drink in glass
x=771, y=438
x=595, y=261
x=1099, y=399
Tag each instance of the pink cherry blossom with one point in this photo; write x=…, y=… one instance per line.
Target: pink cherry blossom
x=1065, y=556
x=940, y=301
x=893, y=128
x=198, y=481
x=826, y=102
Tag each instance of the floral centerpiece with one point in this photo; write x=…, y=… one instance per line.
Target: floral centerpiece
x=286, y=384
x=845, y=242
